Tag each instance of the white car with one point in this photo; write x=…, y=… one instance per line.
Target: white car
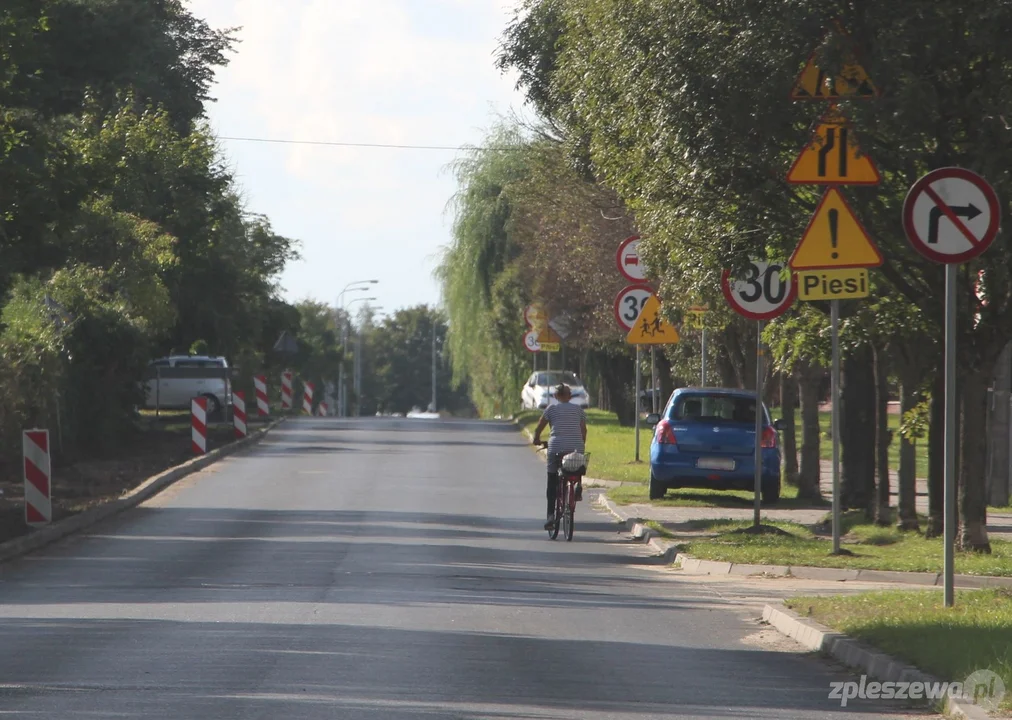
x=172, y=382
x=539, y=391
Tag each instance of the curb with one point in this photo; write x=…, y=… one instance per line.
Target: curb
x=145, y=491
x=639, y=531
x=877, y=665
x=695, y=566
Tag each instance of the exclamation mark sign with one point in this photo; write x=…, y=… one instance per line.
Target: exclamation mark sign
x=834, y=225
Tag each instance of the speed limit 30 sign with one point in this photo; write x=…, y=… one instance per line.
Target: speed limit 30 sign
x=764, y=293
x=629, y=303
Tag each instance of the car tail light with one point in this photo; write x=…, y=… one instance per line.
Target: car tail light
x=664, y=434
x=769, y=437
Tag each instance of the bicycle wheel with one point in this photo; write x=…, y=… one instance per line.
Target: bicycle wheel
x=567, y=515
x=554, y=531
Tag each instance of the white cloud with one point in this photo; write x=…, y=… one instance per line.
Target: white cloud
x=372, y=71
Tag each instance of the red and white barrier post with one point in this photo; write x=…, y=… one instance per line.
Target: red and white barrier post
x=307, y=399
x=286, y=390
x=198, y=425
x=263, y=406
x=38, y=477
x=239, y=414
x=324, y=410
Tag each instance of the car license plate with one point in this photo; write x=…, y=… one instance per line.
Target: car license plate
x=712, y=463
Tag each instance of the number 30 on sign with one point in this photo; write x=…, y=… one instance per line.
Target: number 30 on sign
x=763, y=293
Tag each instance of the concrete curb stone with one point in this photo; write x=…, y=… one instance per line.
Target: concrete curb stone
x=877, y=665
x=639, y=531
x=145, y=491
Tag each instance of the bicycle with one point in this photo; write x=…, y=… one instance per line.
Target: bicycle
x=572, y=468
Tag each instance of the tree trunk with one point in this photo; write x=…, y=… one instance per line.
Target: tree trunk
x=857, y=433
x=788, y=398
x=618, y=374
x=810, y=475
x=908, y=464
x=936, y=459
x=973, y=449
x=883, y=437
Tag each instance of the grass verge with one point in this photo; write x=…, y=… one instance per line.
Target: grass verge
x=871, y=547
x=951, y=643
x=630, y=494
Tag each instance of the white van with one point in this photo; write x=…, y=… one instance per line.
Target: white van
x=172, y=382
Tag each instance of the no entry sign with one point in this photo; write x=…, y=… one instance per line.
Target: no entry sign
x=951, y=215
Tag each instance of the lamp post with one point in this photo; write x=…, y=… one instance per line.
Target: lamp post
x=357, y=285
x=356, y=378
x=358, y=362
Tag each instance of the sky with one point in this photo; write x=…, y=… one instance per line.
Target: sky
x=402, y=72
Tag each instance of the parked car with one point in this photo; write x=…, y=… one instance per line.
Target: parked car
x=705, y=438
x=175, y=390
x=539, y=391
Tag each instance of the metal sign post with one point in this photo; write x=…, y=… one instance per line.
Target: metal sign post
x=949, y=455
x=951, y=215
x=758, y=421
x=835, y=391
x=637, y=402
x=702, y=371
x=763, y=294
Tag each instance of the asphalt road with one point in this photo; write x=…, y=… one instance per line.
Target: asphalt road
x=379, y=569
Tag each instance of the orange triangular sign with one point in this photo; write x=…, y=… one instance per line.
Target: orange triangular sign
x=833, y=158
x=651, y=328
x=835, y=238
x=852, y=83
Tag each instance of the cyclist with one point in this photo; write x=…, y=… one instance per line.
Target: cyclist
x=569, y=434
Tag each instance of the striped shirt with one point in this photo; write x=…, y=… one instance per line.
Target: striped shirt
x=565, y=419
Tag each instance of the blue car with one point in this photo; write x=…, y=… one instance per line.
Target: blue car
x=705, y=438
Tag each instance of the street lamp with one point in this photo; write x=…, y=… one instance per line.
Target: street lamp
x=358, y=358
x=357, y=285
x=356, y=380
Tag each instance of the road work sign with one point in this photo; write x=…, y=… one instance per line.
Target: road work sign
x=852, y=83
x=835, y=238
x=847, y=283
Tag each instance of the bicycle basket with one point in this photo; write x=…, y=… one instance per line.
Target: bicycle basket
x=576, y=462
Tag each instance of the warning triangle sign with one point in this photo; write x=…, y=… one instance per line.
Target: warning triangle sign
x=651, y=328
x=835, y=238
x=852, y=83
x=833, y=157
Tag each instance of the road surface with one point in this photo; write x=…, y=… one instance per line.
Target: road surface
x=379, y=569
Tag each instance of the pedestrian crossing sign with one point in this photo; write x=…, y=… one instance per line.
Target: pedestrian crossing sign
x=651, y=328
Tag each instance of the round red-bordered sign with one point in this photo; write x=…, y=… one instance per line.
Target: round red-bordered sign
x=629, y=303
x=763, y=294
x=627, y=259
x=951, y=215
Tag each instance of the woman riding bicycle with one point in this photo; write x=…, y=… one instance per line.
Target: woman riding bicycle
x=569, y=434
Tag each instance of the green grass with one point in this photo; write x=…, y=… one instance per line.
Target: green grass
x=950, y=643
x=826, y=446
x=611, y=447
x=873, y=548
x=628, y=494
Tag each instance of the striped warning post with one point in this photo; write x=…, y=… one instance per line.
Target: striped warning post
x=307, y=399
x=198, y=425
x=239, y=413
x=286, y=390
x=263, y=406
x=38, y=477
x=323, y=410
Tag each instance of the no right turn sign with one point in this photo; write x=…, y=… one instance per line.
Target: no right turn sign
x=951, y=215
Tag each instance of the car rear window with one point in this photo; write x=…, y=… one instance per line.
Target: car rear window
x=715, y=408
